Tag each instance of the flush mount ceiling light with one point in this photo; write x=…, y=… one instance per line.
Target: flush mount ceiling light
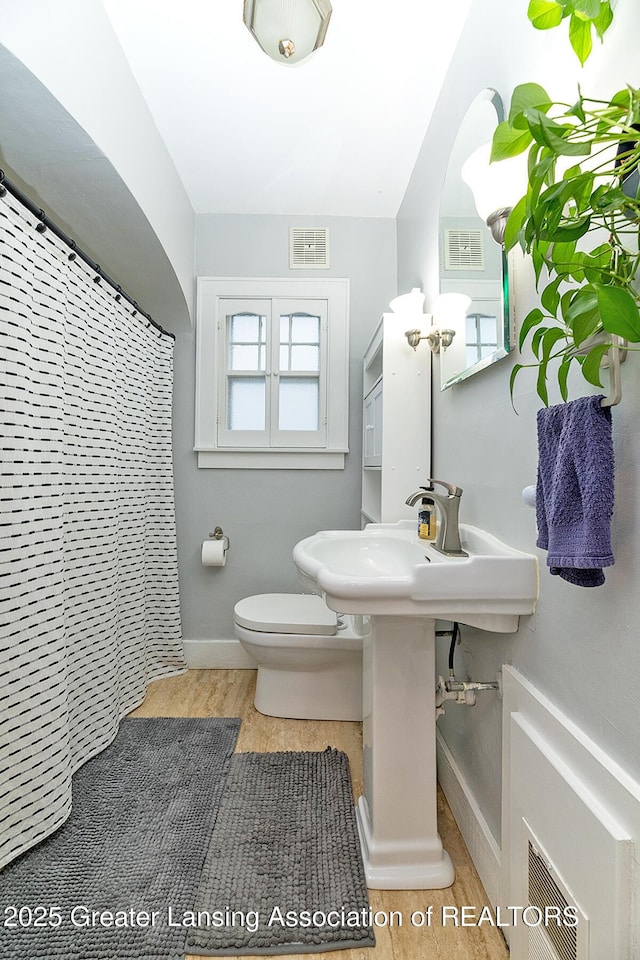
x=288, y=30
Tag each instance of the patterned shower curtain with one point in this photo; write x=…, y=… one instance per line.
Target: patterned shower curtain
x=89, y=606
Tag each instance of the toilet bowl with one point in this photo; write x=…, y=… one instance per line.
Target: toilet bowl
x=309, y=658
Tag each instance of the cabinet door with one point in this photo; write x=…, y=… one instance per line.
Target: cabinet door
x=372, y=419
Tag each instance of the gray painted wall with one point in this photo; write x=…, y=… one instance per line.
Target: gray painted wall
x=581, y=647
x=265, y=512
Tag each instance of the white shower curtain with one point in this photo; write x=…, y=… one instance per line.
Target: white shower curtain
x=89, y=606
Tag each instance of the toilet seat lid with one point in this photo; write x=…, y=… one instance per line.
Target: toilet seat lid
x=286, y=613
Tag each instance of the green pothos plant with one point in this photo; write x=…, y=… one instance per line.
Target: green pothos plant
x=585, y=17
x=579, y=219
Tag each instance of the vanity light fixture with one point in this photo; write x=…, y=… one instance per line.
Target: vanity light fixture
x=436, y=338
x=288, y=30
x=449, y=312
x=410, y=305
x=496, y=187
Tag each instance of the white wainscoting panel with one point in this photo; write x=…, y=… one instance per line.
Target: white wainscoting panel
x=579, y=812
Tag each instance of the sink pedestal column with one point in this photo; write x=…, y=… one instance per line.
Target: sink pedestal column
x=397, y=815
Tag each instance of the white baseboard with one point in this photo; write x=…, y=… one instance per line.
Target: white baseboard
x=481, y=843
x=217, y=655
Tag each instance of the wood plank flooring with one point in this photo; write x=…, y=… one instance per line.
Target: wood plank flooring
x=229, y=693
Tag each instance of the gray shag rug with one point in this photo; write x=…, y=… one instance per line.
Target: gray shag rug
x=284, y=871
x=132, y=850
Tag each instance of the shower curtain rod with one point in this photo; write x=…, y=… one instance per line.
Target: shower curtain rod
x=47, y=223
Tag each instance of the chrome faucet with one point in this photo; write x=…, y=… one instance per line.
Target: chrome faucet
x=447, y=506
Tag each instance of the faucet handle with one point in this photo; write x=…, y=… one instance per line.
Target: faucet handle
x=451, y=488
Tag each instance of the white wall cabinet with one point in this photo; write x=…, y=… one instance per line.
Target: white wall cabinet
x=372, y=419
x=396, y=420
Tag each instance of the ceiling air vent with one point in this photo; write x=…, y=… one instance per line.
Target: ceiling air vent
x=463, y=250
x=309, y=248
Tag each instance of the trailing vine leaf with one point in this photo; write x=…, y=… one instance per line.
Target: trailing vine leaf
x=576, y=268
x=582, y=188
x=536, y=341
x=603, y=20
x=555, y=135
x=577, y=111
x=513, y=229
x=582, y=14
x=572, y=231
x=549, y=339
x=540, y=173
x=537, y=257
x=544, y=14
x=564, y=253
x=563, y=373
x=587, y=9
x=517, y=367
x=607, y=199
x=532, y=319
x=541, y=383
x=550, y=296
x=565, y=300
x=622, y=98
x=592, y=363
x=582, y=314
x=580, y=38
x=509, y=142
x=618, y=311
x=527, y=96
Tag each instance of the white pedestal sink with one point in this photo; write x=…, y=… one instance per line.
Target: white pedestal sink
x=404, y=585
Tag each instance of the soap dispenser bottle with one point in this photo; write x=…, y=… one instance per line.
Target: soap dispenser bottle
x=427, y=520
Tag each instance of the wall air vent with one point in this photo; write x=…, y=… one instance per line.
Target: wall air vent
x=564, y=934
x=309, y=248
x=463, y=249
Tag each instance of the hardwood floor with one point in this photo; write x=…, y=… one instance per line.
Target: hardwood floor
x=229, y=693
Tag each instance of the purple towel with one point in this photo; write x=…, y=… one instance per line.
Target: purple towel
x=574, y=493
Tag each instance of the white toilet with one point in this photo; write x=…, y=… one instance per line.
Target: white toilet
x=309, y=658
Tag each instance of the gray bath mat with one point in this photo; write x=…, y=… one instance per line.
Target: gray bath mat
x=132, y=849
x=284, y=872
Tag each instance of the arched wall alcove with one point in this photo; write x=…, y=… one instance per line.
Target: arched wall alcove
x=52, y=159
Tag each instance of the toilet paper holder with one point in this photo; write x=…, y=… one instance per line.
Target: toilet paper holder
x=219, y=534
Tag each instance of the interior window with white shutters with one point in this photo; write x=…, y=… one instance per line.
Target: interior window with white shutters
x=273, y=373
x=264, y=364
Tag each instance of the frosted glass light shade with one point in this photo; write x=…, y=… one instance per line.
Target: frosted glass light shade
x=288, y=30
x=450, y=310
x=412, y=302
x=495, y=186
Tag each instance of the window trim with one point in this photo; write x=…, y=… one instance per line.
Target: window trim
x=210, y=291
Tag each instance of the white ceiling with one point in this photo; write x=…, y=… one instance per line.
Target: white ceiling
x=337, y=135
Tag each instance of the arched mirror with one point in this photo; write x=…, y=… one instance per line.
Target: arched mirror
x=471, y=262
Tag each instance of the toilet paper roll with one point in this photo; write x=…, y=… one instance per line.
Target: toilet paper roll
x=214, y=553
